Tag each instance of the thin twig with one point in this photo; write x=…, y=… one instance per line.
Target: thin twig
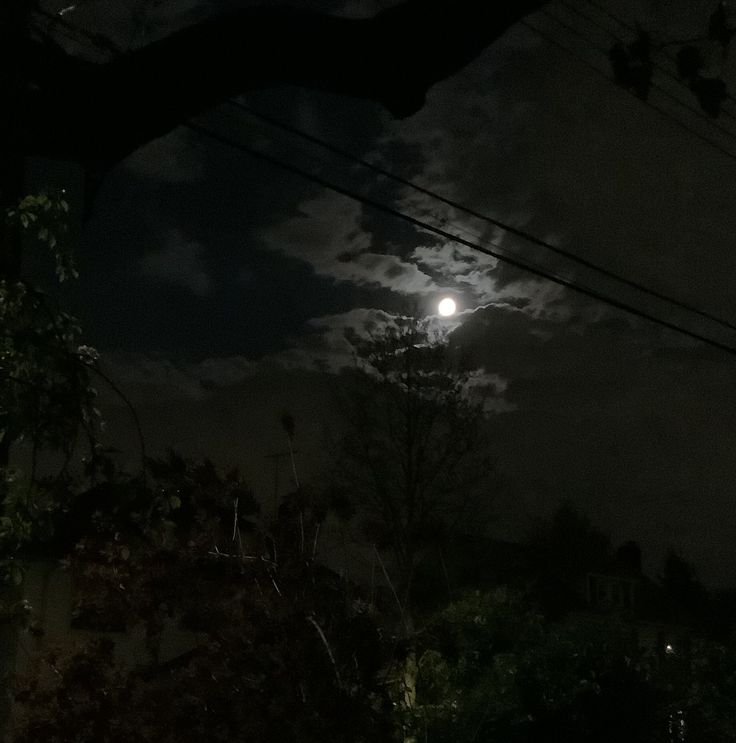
x=275, y=585
x=275, y=554
x=391, y=586
x=216, y=553
x=134, y=414
x=235, y=518
x=314, y=624
x=293, y=462
x=240, y=543
x=316, y=536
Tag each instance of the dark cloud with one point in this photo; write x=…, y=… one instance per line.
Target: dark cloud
x=172, y=158
x=178, y=263
x=641, y=439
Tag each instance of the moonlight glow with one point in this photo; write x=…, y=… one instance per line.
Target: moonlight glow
x=447, y=307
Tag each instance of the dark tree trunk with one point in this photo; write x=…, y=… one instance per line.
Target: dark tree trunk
x=13, y=87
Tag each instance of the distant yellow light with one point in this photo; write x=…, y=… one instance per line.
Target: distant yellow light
x=447, y=307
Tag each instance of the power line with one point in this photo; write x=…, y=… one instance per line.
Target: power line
x=524, y=234
x=472, y=244
x=630, y=27
x=99, y=42
x=517, y=263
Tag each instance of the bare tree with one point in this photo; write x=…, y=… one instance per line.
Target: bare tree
x=414, y=460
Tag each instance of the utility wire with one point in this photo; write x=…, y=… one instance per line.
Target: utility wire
x=548, y=275
x=524, y=234
x=630, y=27
x=517, y=263
x=101, y=43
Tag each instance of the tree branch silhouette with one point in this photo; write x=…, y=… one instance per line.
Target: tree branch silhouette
x=97, y=113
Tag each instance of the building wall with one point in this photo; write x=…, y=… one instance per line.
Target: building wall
x=49, y=590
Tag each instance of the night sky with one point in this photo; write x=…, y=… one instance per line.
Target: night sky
x=217, y=286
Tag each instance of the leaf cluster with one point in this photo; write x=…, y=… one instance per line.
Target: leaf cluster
x=276, y=647
x=44, y=218
x=633, y=66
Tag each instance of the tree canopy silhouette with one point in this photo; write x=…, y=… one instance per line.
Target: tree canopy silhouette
x=414, y=459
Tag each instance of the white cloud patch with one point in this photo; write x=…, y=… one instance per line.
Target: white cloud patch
x=328, y=235
x=460, y=266
x=325, y=345
x=477, y=165
x=449, y=258
x=488, y=388
x=362, y=320
x=327, y=348
x=542, y=299
x=178, y=263
x=476, y=274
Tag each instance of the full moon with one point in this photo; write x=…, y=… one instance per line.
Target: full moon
x=447, y=307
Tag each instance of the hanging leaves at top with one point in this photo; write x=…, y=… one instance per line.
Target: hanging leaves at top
x=632, y=64
x=689, y=62
x=633, y=67
x=719, y=29
x=711, y=92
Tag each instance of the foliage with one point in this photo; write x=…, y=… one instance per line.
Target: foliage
x=491, y=667
x=708, y=696
x=45, y=387
x=46, y=390
x=45, y=217
x=271, y=646
x=28, y=515
x=494, y=669
x=633, y=66
x=46, y=393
